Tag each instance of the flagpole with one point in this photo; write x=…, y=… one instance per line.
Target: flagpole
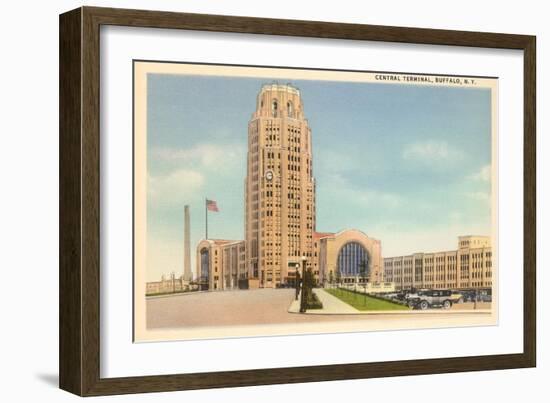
x=206, y=214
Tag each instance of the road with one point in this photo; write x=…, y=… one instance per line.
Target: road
x=241, y=307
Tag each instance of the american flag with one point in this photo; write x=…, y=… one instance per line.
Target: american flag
x=211, y=205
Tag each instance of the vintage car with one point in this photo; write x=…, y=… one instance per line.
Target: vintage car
x=431, y=299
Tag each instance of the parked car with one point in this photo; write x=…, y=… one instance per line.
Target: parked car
x=431, y=299
x=400, y=296
x=412, y=298
x=468, y=295
x=457, y=297
x=485, y=295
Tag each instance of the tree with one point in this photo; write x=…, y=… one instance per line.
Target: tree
x=330, y=277
x=338, y=278
x=307, y=285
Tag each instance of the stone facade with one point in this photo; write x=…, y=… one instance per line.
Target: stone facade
x=351, y=254
x=468, y=267
x=280, y=188
x=221, y=264
x=167, y=285
x=280, y=222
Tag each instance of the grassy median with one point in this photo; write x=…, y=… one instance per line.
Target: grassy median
x=364, y=302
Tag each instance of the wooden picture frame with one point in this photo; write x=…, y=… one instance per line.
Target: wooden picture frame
x=79, y=315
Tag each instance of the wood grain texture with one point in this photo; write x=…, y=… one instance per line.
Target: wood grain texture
x=90, y=202
x=80, y=196
x=70, y=273
x=530, y=202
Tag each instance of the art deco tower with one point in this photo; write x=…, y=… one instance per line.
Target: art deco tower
x=279, y=187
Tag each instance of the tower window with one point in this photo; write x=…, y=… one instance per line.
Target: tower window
x=274, y=108
x=290, y=109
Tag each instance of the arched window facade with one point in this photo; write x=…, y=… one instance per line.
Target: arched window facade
x=205, y=265
x=274, y=108
x=290, y=109
x=351, y=258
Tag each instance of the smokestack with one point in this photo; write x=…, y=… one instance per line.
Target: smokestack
x=187, y=275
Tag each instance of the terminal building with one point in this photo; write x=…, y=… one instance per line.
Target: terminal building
x=168, y=285
x=348, y=255
x=221, y=264
x=280, y=223
x=468, y=267
x=279, y=187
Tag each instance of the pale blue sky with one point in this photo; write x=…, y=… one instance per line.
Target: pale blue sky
x=409, y=165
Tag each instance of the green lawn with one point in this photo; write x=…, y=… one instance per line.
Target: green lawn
x=364, y=302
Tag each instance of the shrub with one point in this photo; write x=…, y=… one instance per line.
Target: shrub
x=313, y=301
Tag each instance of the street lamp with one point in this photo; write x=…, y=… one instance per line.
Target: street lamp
x=297, y=281
x=305, y=286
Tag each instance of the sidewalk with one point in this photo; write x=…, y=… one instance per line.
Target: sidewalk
x=331, y=304
x=334, y=306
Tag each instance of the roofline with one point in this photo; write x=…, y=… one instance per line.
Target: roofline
x=435, y=253
x=322, y=235
x=225, y=241
x=276, y=86
x=356, y=230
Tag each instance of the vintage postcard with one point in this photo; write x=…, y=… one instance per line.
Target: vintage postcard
x=280, y=201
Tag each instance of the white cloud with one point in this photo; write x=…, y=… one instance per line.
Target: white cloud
x=175, y=187
x=406, y=242
x=184, y=173
x=431, y=151
x=398, y=240
x=340, y=186
x=215, y=157
x=336, y=161
x=483, y=175
x=372, y=197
